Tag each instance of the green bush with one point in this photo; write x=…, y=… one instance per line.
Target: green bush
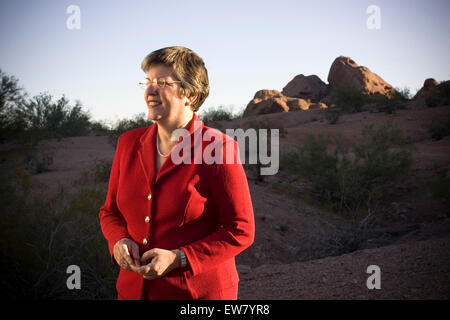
x=392, y=103
x=99, y=128
x=269, y=126
x=11, y=96
x=351, y=181
x=439, y=129
x=438, y=186
x=138, y=121
x=265, y=124
x=102, y=170
x=332, y=114
x=38, y=162
x=39, y=117
x=351, y=178
x=41, y=236
x=212, y=115
x=349, y=99
x=46, y=118
x=402, y=94
x=344, y=100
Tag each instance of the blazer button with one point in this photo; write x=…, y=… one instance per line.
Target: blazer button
x=149, y=196
x=144, y=242
x=147, y=219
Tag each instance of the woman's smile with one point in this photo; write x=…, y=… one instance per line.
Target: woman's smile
x=153, y=103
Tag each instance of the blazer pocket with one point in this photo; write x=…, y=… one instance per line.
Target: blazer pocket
x=195, y=204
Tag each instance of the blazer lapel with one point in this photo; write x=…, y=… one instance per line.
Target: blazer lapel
x=147, y=154
x=195, y=128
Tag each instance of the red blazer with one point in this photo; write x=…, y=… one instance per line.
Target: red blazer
x=204, y=209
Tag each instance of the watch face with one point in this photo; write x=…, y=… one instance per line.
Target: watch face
x=183, y=258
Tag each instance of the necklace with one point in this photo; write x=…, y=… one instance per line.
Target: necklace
x=159, y=152
x=157, y=144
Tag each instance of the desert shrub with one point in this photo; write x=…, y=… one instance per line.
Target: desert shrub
x=351, y=181
x=333, y=239
x=354, y=178
x=390, y=104
x=314, y=162
x=41, y=236
x=76, y=122
x=38, y=161
x=102, y=170
x=99, y=173
x=257, y=125
x=124, y=125
x=343, y=100
x=439, y=129
x=348, y=98
x=11, y=96
x=46, y=118
x=333, y=114
x=438, y=185
x=212, y=115
x=39, y=117
x=402, y=94
x=99, y=128
x=266, y=124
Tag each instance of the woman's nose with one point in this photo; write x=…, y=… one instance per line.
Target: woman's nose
x=151, y=90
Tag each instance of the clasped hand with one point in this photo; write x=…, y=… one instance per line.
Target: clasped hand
x=153, y=264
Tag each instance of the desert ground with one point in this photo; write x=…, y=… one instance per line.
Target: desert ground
x=295, y=254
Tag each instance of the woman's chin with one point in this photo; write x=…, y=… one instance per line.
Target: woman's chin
x=154, y=116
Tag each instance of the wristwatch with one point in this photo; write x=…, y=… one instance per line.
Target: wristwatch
x=183, y=258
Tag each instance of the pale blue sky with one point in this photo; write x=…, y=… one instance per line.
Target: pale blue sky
x=246, y=45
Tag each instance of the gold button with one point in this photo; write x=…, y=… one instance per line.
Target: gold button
x=149, y=196
x=144, y=241
x=147, y=219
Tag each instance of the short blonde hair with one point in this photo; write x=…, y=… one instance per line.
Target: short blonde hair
x=187, y=66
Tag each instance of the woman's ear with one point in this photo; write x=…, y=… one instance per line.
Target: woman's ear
x=190, y=100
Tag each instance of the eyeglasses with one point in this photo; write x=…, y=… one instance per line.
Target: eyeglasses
x=161, y=83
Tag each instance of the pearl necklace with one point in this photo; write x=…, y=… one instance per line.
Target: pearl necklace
x=157, y=144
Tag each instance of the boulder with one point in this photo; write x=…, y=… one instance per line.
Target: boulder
x=272, y=101
x=306, y=87
x=265, y=94
x=346, y=72
x=428, y=86
x=318, y=105
x=297, y=104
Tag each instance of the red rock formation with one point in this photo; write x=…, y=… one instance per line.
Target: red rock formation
x=428, y=86
x=306, y=87
x=271, y=101
x=346, y=72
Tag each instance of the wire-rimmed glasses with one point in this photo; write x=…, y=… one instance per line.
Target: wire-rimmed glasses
x=160, y=82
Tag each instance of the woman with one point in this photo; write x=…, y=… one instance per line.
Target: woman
x=175, y=228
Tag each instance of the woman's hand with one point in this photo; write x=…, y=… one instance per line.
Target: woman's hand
x=161, y=262
x=126, y=253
